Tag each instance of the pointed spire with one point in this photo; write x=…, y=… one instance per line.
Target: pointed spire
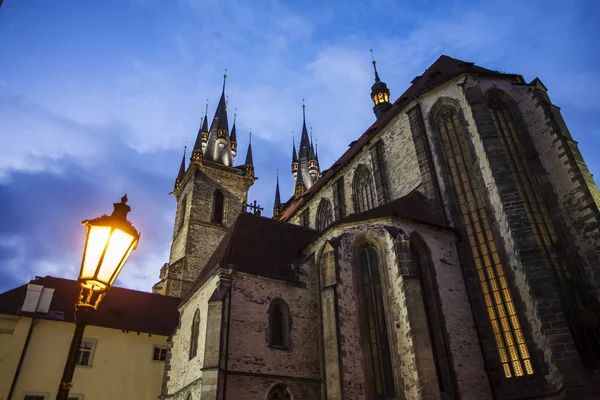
x=294, y=152
x=205, y=122
x=219, y=123
x=277, y=203
x=232, y=137
x=249, y=160
x=181, y=173
x=304, y=150
x=374, y=66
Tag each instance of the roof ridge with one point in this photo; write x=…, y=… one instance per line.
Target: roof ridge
x=33, y=281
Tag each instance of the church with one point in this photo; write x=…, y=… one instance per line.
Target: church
x=452, y=252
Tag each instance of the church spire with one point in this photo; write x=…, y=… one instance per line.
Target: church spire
x=304, y=150
x=249, y=164
x=294, y=157
x=249, y=160
x=232, y=136
x=277, y=203
x=181, y=170
x=219, y=147
x=380, y=93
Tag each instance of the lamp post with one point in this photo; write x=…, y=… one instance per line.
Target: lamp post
x=110, y=239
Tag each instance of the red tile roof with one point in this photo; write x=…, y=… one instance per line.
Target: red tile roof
x=260, y=246
x=121, y=308
x=442, y=70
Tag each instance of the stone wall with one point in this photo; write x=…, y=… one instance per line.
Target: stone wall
x=198, y=237
x=343, y=320
x=250, y=359
x=182, y=375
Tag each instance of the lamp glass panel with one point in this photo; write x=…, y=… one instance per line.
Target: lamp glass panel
x=118, y=245
x=97, y=237
x=114, y=277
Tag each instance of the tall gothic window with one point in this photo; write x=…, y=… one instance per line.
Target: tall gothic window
x=279, y=392
x=218, y=206
x=280, y=325
x=510, y=342
x=381, y=365
x=423, y=268
x=339, y=199
x=363, y=189
x=324, y=214
x=582, y=312
x=194, y=334
x=182, y=212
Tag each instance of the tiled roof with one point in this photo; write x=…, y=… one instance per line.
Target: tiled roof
x=121, y=308
x=259, y=246
x=411, y=207
x=442, y=70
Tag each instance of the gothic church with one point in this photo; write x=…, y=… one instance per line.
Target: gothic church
x=452, y=252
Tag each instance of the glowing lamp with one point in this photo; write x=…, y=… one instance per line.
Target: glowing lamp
x=110, y=239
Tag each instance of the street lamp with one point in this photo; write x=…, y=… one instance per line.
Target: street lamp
x=110, y=239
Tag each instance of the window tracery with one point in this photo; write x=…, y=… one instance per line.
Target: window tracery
x=508, y=335
x=363, y=189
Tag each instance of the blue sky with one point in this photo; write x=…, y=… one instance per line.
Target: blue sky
x=98, y=98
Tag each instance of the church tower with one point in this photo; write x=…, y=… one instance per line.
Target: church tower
x=211, y=192
x=305, y=165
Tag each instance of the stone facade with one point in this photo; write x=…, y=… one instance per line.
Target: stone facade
x=195, y=233
x=479, y=291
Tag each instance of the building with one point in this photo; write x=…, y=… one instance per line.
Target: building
x=121, y=356
x=452, y=252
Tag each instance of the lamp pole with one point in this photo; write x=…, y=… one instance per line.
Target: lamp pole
x=109, y=242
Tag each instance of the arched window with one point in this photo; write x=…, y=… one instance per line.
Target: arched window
x=568, y=270
x=182, y=212
x=423, y=268
x=510, y=341
x=374, y=318
x=280, y=325
x=194, y=334
x=189, y=397
x=363, y=189
x=324, y=214
x=218, y=207
x=279, y=392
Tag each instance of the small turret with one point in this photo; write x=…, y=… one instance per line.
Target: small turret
x=249, y=164
x=313, y=167
x=232, y=137
x=294, y=157
x=300, y=186
x=204, y=129
x=277, y=203
x=181, y=173
x=380, y=94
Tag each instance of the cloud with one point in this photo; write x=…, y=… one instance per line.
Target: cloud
x=95, y=113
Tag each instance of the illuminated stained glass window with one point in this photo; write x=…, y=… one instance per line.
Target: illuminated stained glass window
x=363, y=189
x=383, y=383
x=546, y=236
x=510, y=342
